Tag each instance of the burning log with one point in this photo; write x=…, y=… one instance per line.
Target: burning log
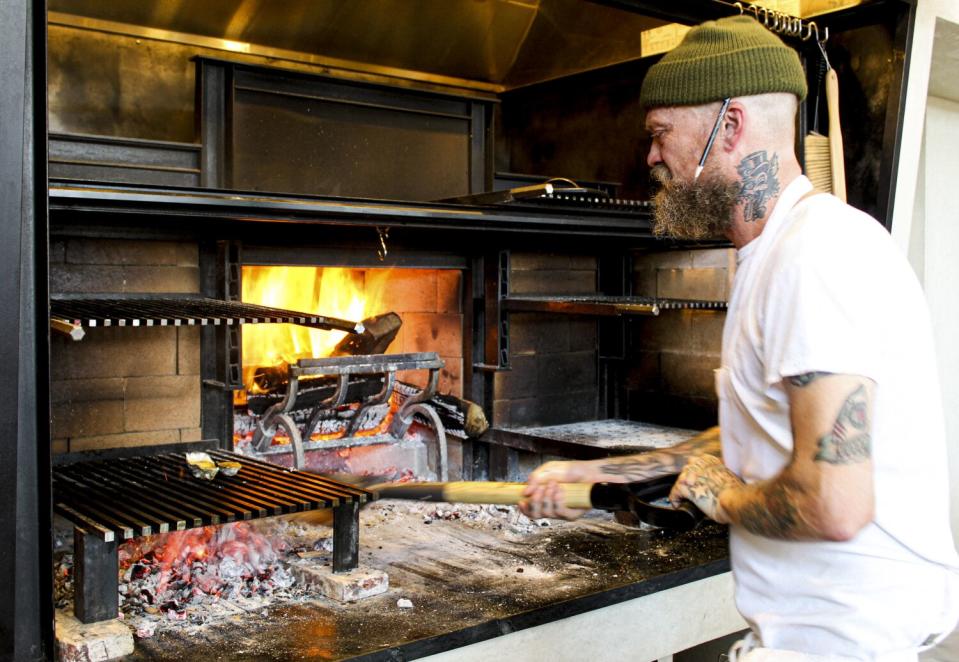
x=378, y=332
x=458, y=413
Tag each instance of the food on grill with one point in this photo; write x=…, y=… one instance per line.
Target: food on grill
x=202, y=465
x=229, y=467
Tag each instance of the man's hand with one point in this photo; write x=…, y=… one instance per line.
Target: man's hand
x=703, y=481
x=545, y=495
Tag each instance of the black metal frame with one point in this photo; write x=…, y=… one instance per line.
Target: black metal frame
x=26, y=585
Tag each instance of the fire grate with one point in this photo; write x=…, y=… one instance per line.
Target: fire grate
x=186, y=310
x=107, y=500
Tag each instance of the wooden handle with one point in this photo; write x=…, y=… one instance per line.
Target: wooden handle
x=75, y=331
x=575, y=495
x=836, y=159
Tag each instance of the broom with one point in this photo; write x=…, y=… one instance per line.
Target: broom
x=825, y=164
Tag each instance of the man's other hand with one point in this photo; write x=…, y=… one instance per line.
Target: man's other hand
x=702, y=481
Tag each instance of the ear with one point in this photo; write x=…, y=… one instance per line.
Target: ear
x=734, y=126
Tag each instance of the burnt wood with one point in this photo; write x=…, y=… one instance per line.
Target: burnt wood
x=95, y=570
x=377, y=334
x=346, y=537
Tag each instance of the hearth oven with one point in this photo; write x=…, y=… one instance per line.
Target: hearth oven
x=296, y=252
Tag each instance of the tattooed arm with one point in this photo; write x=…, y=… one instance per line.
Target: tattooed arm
x=543, y=494
x=826, y=490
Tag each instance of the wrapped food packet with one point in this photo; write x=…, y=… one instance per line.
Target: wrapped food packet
x=202, y=465
x=229, y=467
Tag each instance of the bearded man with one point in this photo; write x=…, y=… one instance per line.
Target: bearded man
x=833, y=472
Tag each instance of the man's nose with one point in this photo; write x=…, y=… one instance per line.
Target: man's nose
x=653, y=157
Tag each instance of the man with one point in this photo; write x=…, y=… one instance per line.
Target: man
x=833, y=472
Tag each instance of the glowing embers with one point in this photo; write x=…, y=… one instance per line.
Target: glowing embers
x=170, y=573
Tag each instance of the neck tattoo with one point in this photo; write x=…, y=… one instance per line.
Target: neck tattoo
x=760, y=184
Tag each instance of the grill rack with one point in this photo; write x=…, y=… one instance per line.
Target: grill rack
x=122, y=498
x=186, y=310
x=605, y=305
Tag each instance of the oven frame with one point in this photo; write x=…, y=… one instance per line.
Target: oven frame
x=26, y=587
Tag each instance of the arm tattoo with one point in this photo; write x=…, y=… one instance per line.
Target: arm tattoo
x=760, y=184
x=849, y=440
x=806, y=378
x=774, y=515
x=662, y=462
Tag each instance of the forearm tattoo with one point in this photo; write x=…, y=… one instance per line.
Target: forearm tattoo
x=806, y=378
x=760, y=183
x=849, y=441
x=772, y=512
x=661, y=463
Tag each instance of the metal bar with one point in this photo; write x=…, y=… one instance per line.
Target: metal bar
x=191, y=507
x=346, y=537
x=146, y=521
x=306, y=495
x=88, y=524
x=366, y=365
x=178, y=473
x=347, y=491
x=95, y=577
x=230, y=508
x=124, y=531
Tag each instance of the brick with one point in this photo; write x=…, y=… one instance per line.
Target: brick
x=708, y=284
x=349, y=586
x=561, y=373
x=518, y=382
x=538, y=262
x=161, y=413
x=179, y=386
x=555, y=409
x=582, y=334
x=715, y=258
x=404, y=290
x=187, y=254
x=538, y=334
x=644, y=281
x=124, y=279
x=677, y=259
x=451, y=376
x=704, y=330
x=553, y=282
x=84, y=419
x=60, y=446
x=582, y=262
x=643, y=372
x=91, y=642
x=115, y=352
x=122, y=252
x=442, y=334
x=449, y=295
x=454, y=458
x=191, y=434
x=124, y=440
x=58, y=251
x=86, y=390
x=188, y=350
x=667, y=331
x=501, y=414
x=689, y=374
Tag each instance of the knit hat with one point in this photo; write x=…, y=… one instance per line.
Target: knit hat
x=730, y=57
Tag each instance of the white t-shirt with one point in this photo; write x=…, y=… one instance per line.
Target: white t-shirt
x=823, y=288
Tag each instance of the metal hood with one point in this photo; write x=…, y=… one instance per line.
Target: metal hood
x=498, y=44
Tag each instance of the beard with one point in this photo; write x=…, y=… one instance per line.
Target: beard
x=692, y=210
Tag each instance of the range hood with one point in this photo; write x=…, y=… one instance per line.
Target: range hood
x=491, y=45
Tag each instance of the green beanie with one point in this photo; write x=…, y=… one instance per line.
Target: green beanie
x=731, y=57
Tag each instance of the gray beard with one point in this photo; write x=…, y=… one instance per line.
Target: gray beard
x=693, y=210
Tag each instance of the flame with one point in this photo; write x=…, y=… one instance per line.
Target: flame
x=349, y=294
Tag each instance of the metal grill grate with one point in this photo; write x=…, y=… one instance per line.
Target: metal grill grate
x=182, y=310
x=605, y=305
x=139, y=496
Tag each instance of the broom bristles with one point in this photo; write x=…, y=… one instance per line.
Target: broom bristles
x=818, y=168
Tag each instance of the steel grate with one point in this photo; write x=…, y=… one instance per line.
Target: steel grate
x=140, y=496
x=605, y=305
x=182, y=310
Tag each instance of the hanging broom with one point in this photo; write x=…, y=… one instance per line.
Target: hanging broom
x=825, y=165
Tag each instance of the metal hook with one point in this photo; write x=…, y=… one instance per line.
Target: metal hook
x=808, y=34
x=765, y=16
x=822, y=49
x=383, y=234
x=739, y=6
x=825, y=33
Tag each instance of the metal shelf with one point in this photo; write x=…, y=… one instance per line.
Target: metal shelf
x=185, y=310
x=604, y=305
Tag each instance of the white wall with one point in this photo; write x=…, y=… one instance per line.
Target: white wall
x=926, y=217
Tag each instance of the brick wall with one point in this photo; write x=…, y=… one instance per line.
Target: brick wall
x=124, y=386
x=553, y=357
x=669, y=377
